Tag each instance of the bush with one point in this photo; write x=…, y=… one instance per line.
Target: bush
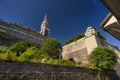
x=3, y=49
x=20, y=47
x=8, y=56
x=52, y=47
x=103, y=58
x=29, y=55
x=61, y=62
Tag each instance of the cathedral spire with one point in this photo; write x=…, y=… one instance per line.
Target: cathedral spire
x=44, y=27
x=45, y=19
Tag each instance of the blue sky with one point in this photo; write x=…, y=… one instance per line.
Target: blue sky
x=66, y=17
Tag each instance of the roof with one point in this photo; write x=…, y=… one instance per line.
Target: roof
x=106, y=19
x=113, y=6
x=114, y=27
x=111, y=26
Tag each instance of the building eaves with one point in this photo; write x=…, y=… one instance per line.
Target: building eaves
x=113, y=6
x=106, y=19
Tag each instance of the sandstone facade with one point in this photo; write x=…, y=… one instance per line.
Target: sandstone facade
x=80, y=49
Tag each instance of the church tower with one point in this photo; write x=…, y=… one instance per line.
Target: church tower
x=45, y=31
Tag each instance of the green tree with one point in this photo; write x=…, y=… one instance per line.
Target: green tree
x=30, y=54
x=103, y=58
x=20, y=47
x=78, y=36
x=52, y=47
x=69, y=40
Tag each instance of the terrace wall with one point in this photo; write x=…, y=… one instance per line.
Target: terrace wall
x=35, y=71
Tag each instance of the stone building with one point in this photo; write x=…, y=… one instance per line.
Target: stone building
x=15, y=32
x=80, y=49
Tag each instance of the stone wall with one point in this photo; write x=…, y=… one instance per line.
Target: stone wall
x=117, y=69
x=76, y=50
x=7, y=40
x=35, y=71
x=91, y=43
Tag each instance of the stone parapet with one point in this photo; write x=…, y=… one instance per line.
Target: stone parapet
x=37, y=71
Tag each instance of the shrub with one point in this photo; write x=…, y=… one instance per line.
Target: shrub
x=103, y=58
x=20, y=47
x=29, y=55
x=8, y=56
x=52, y=47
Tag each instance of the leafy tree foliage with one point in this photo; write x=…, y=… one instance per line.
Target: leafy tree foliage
x=102, y=58
x=30, y=54
x=20, y=47
x=8, y=56
x=52, y=47
x=78, y=36
x=3, y=49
